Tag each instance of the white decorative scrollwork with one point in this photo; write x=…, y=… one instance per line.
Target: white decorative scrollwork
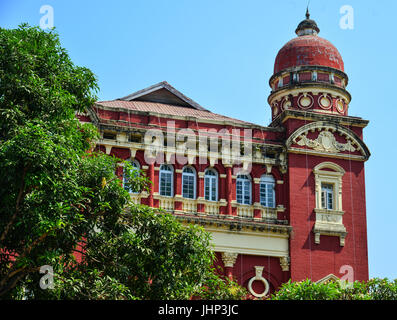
x=325, y=142
x=258, y=276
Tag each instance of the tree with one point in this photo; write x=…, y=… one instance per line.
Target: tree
x=62, y=204
x=42, y=154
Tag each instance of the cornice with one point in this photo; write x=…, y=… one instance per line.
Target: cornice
x=314, y=116
x=235, y=223
x=309, y=87
x=308, y=68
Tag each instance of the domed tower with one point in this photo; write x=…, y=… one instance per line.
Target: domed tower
x=325, y=155
x=309, y=75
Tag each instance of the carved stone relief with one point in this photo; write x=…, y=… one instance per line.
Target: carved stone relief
x=325, y=142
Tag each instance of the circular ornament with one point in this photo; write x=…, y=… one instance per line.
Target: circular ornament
x=325, y=102
x=258, y=276
x=305, y=101
x=287, y=104
x=340, y=106
x=258, y=295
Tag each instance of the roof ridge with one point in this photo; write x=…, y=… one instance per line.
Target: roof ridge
x=167, y=86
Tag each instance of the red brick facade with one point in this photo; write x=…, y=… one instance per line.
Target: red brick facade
x=300, y=212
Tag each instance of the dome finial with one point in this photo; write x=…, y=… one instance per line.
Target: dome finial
x=307, y=10
x=307, y=26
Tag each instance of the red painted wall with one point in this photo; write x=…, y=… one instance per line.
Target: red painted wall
x=244, y=270
x=318, y=260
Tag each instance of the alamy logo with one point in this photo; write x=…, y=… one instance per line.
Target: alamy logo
x=347, y=20
x=47, y=20
x=233, y=148
x=47, y=281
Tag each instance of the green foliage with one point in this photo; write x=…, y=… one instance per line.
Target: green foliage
x=38, y=79
x=59, y=198
x=307, y=290
x=151, y=254
x=373, y=289
x=218, y=288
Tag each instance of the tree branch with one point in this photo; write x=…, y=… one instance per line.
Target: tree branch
x=21, y=195
x=5, y=287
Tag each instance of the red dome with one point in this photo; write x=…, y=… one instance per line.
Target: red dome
x=309, y=50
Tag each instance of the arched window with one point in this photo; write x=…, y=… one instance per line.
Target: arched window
x=267, y=194
x=136, y=166
x=188, y=183
x=211, y=185
x=166, y=179
x=328, y=186
x=243, y=189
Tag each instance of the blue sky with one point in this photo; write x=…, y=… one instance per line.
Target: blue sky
x=221, y=53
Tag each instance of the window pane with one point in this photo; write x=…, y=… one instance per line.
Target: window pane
x=207, y=188
x=188, y=181
x=213, y=189
x=210, y=187
x=330, y=202
x=239, y=191
x=327, y=196
x=243, y=189
x=266, y=190
x=166, y=184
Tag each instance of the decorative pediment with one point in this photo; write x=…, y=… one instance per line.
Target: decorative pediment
x=330, y=277
x=326, y=141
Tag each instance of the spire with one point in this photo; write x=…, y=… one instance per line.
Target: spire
x=307, y=26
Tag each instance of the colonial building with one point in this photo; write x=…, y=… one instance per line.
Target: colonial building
x=286, y=201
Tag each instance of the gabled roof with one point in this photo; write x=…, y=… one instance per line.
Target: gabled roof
x=163, y=92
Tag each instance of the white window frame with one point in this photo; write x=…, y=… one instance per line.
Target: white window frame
x=267, y=182
x=329, y=221
x=135, y=164
x=169, y=173
x=334, y=178
x=189, y=175
x=212, y=179
x=242, y=178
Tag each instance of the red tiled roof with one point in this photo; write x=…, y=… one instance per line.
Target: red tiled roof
x=167, y=109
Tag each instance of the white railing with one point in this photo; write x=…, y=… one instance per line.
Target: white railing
x=245, y=211
x=268, y=213
x=189, y=206
x=135, y=198
x=166, y=203
x=211, y=208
